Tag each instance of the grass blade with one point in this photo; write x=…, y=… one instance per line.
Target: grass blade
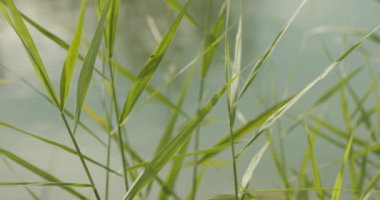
x=346, y=116
x=173, y=146
x=339, y=178
x=32, y=168
x=123, y=71
x=212, y=42
x=56, y=144
x=43, y=184
x=243, y=130
x=151, y=66
x=317, y=179
x=372, y=184
x=177, y=163
x=71, y=57
x=31, y=49
x=269, y=51
x=268, y=123
x=280, y=166
x=247, y=176
x=89, y=62
x=174, y=4
x=338, y=86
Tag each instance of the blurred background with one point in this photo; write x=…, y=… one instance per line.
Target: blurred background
x=320, y=33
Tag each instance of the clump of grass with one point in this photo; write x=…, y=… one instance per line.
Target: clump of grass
x=142, y=178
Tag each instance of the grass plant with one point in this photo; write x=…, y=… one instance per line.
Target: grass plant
x=180, y=155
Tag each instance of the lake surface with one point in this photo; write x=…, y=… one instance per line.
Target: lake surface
x=299, y=58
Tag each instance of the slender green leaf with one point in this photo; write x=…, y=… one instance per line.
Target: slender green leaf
x=268, y=52
x=268, y=123
x=151, y=66
x=222, y=197
x=338, y=86
x=32, y=168
x=280, y=166
x=244, y=130
x=174, y=4
x=89, y=62
x=212, y=41
x=56, y=144
x=177, y=163
x=317, y=176
x=372, y=183
x=67, y=112
x=339, y=178
x=31, y=49
x=71, y=57
x=123, y=71
x=43, y=184
x=173, y=146
x=247, y=176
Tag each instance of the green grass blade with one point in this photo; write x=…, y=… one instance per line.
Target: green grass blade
x=32, y=168
x=174, y=118
x=212, y=42
x=143, y=164
x=268, y=52
x=151, y=66
x=150, y=89
x=71, y=57
x=96, y=118
x=339, y=178
x=360, y=108
x=67, y=112
x=372, y=184
x=174, y=4
x=317, y=176
x=51, y=36
x=301, y=173
x=43, y=184
x=280, y=166
x=248, y=174
x=222, y=197
x=123, y=71
x=85, y=75
x=30, y=192
x=244, y=130
x=56, y=144
x=177, y=163
x=173, y=173
x=340, y=133
x=111, y=29
x=31, y=49
x=268, y=123
x=338, y=86
x=173, y=146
